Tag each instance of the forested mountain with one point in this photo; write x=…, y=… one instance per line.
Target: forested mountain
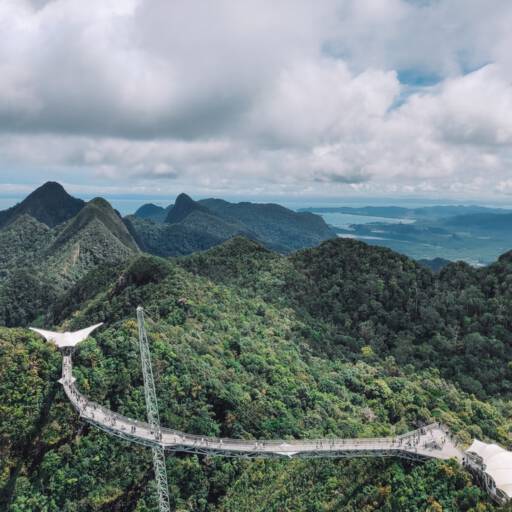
x=208, y=222
x=276, y=225
x=39, y=264
x=182, y=208
x=50, y=240
x=187, y=228
x=343, y=339
x=96, y=217
x=248, y=343
x=458, y=320
x=152, y=212
x=50, y=204
x=171, y=239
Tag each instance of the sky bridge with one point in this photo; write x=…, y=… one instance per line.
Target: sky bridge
x=491, y=464
x=432, y=441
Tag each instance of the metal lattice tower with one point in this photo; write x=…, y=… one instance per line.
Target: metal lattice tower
x=153, y=416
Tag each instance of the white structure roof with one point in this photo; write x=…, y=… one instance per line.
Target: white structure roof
x=66, y=339
x=498, y=464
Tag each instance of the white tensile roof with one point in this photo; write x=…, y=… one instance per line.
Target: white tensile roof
x=498, y=462
x=66, y=339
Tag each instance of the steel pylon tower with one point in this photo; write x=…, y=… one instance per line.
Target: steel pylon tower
x=153, y=416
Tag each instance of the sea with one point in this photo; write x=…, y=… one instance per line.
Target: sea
x=345, y=220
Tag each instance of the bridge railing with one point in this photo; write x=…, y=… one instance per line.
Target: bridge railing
x=325, y=442
x=99, y=413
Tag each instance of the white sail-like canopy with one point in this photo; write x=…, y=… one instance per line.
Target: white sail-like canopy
x=66, y=339
x=498, y=464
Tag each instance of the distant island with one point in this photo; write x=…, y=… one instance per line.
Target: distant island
x=475, y=234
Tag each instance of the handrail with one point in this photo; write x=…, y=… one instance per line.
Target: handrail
x=175, y=439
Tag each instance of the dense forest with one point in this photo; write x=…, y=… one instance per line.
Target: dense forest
x=343, y=340
x=51, y=240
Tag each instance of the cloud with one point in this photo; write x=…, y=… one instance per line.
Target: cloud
x=294, y=97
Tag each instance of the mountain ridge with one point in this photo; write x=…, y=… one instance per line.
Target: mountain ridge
x=183, y=206
x=150, y=211
x=340, y=340
x=207, y=222
x=49, y=204
x=100, y=209
x=39, y=263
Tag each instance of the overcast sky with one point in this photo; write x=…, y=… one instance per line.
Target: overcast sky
x=290, y=98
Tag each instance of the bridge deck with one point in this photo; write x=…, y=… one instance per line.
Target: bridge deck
x=433, y=441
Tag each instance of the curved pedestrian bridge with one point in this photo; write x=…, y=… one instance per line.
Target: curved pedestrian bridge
x=432, y=441
x=491, y=464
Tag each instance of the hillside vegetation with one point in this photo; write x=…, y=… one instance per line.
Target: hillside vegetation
x=357, y=297
x=189, y=226
x=51, y=240
x=39, y=264
x=50, y=204
x=248, y=343
x=342, y=339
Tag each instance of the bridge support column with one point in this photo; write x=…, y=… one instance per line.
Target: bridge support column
x=161, y=478
x=153, y=416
